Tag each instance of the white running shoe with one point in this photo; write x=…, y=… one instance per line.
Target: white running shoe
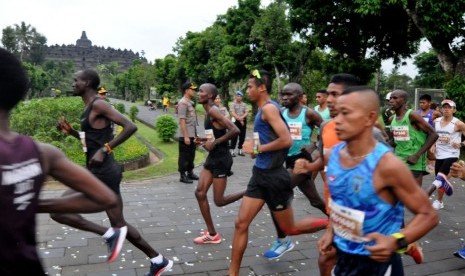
x=438, y=205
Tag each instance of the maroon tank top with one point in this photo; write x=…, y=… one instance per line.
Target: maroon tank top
x=21, y=179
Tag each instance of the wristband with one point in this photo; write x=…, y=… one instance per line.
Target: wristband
x=109, y=150
x=401, y=242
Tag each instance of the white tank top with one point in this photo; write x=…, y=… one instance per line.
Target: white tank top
x=447, y=136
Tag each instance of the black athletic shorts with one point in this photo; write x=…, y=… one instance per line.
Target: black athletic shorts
x=360, y=265
x=443, y=165
x=219, y=164
x=110, y=173
x=271, y=185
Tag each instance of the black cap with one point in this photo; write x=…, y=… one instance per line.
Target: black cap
x=189, y=85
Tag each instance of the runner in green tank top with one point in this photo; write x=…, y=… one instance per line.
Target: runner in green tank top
x=412, y=136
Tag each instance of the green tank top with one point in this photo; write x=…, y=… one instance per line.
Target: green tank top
x=408, y=140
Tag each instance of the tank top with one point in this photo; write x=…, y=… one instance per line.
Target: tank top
x=300, y=130
x=408, y=140
x=270, y=159
x=428, y=117
x=95, y=138
x=356, y=208
x=221, y=148
x=447, y=135
x=325, y=115
x=21, y=179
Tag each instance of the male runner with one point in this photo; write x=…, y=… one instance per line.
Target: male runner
x=447, y=150
x=97, y=133
x=369, y=187
x=270, y=182
x=301, y=121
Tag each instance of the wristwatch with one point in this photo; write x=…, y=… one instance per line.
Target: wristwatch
x=401, y=242
x=104, y=150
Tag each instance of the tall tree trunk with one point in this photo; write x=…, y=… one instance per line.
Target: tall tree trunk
x=446, y=57
x=278, y=79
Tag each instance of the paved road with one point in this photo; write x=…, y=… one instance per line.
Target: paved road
x=166, y=213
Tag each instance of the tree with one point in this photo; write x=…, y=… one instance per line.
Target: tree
x=430, y=72
x=358, y=41
x=24, y=37
x=24, y=41
x=166, y=74
x=38, y=79
x=440, y=22
x=272, y=36
x=9, y=40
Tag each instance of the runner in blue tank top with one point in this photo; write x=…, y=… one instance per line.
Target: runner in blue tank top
x=369, y=186
x=24, y=166
x=270, y=182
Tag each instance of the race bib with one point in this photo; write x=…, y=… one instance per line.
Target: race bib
x=400, y=133
x=444, y=138
x=347, y=222
x=296, y=130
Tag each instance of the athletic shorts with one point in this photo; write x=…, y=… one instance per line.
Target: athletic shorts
x=271, y=185
x=110, y=173
x=443, y=165
x=219, y=164
x=357, y=265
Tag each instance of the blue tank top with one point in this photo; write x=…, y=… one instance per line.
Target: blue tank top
x=300, y=130
x=21, y=179
x=428, y=117
x=270, y=159
x=356, y=208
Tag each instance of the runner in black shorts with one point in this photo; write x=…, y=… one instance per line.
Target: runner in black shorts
x=270, y=182
x=98, y=142
x=272, y=186
x=218, y=131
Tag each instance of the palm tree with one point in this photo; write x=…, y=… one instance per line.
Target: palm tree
x=24, y=35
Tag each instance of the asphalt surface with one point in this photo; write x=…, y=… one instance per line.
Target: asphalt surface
x=167, y=215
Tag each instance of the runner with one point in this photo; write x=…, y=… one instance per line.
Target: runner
x=412, y=136
x=218, y=163
x=270, y=182
x=447, y=150
x=369, y=187
x=327, y=140
x=98, y=144
x=24, y=166
x=301, y=120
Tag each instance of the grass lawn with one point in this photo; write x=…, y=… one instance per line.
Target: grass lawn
x=168, y=165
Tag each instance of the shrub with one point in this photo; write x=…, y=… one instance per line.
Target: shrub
x=120, y=107
x=133, y=111
x=166, y=127
x=24, y=119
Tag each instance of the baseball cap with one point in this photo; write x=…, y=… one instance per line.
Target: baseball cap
x=189, y=85
x=102, y=90
x=388, y=96
x=239, y=93
x=449, y=102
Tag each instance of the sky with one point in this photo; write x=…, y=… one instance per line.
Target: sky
x=138, y=25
